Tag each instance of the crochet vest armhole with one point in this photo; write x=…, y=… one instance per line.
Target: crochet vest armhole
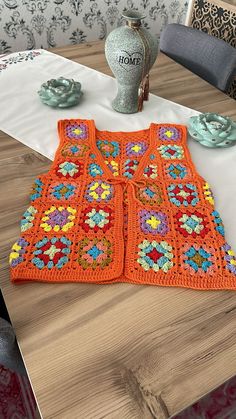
x=57, y=157
x=189, y=157
x=61, y=135
x=62, y=140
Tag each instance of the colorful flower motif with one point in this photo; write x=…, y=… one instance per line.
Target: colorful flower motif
x=136, y=148
x=191, y=224
x=176, y=171
x=69, y=169
x=98, y=190
x=198, y=259
x=94, y=253
x=95, y=170
x=113, y=166
x=169, y=133
x=74, y=150
x=153, y=222
x=51, y=253
x=130, y=167
x=150, y=194
x=58, y=219
x=36, y=190
x=218, y=223
x=150, y=171
x=97, y=219
x=28, y=218
x=77, y=131
x=155, y=255
x=108, y=148
x=180, y=194
x=63, y=190
x=17, y=252
x=208, y=193
x=171, y=151
x=229, y=257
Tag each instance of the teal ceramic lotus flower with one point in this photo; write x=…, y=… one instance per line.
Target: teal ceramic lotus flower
x=60, y=93
x=213, y=130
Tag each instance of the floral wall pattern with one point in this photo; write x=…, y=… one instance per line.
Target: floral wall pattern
x=28, y=24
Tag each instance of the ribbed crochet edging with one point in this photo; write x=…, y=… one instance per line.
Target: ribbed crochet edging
x=199, y=283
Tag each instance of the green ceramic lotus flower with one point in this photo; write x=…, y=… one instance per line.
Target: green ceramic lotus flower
x=213, y=130
x=60, y=93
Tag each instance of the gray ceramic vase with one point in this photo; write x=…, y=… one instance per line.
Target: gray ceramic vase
x=131, y=51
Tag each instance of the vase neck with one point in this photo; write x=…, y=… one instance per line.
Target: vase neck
x=133, y=19
x=133, y=24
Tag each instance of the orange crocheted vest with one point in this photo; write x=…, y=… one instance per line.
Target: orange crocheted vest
x=123, y=207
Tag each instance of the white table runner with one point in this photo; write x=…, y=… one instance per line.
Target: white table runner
x=25, y=118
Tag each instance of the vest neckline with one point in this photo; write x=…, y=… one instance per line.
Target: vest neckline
x=100, y=159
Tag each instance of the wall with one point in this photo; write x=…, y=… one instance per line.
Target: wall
x=27, y=24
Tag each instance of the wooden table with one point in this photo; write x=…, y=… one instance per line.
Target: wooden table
x=121, y=351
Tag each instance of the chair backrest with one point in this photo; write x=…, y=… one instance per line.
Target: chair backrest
x=217, y=18
x=212, y=59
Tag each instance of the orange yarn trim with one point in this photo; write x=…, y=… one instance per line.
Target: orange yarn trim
x=123, y=207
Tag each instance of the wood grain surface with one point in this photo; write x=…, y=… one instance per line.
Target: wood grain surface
x=121, y=351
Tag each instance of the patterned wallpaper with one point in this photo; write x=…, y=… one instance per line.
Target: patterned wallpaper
x=27, y=24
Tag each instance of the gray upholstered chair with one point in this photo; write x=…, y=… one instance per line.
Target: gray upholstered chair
x=210, y=58
x=217, y=18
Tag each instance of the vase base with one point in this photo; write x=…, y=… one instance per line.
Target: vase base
x=124, y=108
